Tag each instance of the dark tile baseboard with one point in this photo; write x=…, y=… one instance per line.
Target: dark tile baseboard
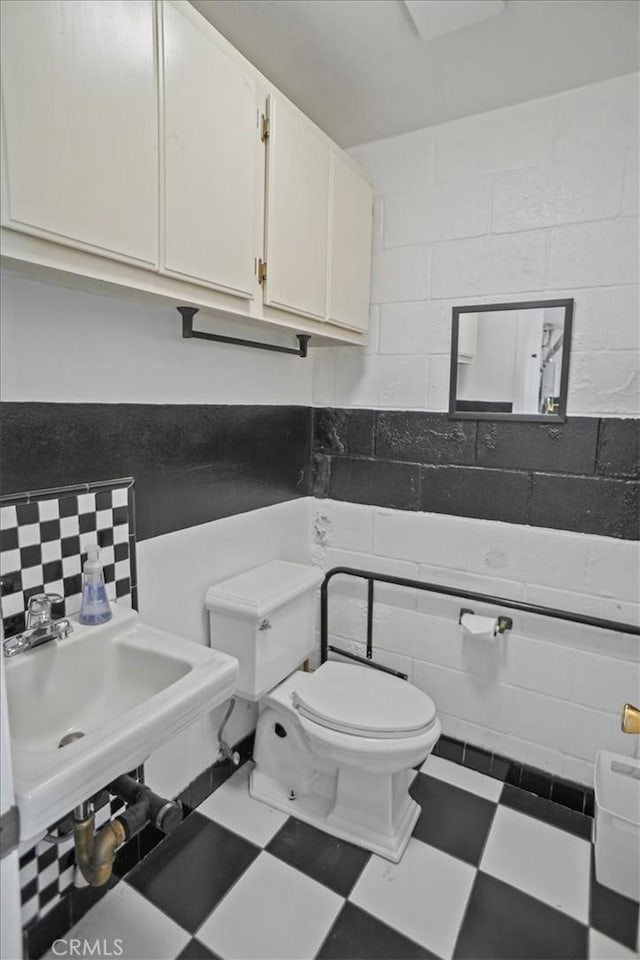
x=546, y=786
x=215, y=775
x=566, y=793
x=554, y=800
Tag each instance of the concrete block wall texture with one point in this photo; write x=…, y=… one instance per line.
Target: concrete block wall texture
x=81, y=346
x=175, y=571
x=582, y=475
x=534, y=201
x=85, y=347
x=547, y=693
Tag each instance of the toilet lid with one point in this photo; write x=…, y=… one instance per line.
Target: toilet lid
x=363, y=701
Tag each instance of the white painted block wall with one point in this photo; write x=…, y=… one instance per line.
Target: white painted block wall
x=63, y=344
x=538, y=199
x=534, y=201
x=549, y=692
x=174, y=574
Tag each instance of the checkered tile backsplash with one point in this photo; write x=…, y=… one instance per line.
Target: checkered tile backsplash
x=43, y=544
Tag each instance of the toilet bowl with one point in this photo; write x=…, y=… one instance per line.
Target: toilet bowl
x=334, y=747
x=365, y=718
x=343, y=770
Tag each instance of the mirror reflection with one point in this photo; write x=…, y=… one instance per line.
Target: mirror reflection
x=511, y=360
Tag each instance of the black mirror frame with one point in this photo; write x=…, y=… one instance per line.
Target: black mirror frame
x=561, y=415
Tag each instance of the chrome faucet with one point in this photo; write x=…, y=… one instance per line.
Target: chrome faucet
x=41, y=627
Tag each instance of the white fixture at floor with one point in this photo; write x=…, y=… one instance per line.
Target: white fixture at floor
x=126, y=686
x=616, y=825
x=334, y=747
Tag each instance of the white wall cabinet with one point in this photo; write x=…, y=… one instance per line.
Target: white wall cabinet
x=133, y=156
x=211, y=158
x=319, y=210
x=296, y=213
x=80, y=125
x=350, y=230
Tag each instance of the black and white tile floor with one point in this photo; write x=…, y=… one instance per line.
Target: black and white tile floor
x=491, y=871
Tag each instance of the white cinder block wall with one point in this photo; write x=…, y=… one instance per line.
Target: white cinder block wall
x=64, y=344
x=174, y=574
x=534, y=201
x=548, y=693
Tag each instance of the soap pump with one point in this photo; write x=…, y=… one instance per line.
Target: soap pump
x=95, y=606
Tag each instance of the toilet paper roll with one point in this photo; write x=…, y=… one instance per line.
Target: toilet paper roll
x=480, y=628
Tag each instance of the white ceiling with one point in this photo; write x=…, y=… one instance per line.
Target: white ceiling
x=439, y=17
x=360, y=69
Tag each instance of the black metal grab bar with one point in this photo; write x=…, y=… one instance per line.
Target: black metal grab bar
x=372, y=578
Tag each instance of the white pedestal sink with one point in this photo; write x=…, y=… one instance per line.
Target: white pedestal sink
x=126, y=686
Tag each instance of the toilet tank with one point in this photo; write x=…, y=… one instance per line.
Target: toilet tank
x=265, y=618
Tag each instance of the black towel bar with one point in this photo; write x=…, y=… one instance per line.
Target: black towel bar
x=188, y=333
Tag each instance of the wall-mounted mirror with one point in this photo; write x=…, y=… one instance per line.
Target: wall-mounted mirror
x=510, y=360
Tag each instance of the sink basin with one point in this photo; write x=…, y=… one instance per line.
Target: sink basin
x=126, y=686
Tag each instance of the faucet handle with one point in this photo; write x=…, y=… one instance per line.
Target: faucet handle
x=62, y=628
x=39, y=609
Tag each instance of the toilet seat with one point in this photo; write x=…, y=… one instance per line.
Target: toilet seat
x=363, y=702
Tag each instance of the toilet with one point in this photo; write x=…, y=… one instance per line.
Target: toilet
x=334, y=747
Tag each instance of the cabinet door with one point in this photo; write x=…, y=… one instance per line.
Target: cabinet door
x=297, y=213
x=350, y=246
x=80, y=121
x=212, y=150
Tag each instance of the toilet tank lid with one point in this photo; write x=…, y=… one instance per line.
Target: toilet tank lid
x=259, y=591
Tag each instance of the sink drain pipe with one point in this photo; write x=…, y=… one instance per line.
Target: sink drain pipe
x=144, y=806
x=95, y=852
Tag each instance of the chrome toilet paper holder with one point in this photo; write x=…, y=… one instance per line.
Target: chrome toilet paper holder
x=503, y=623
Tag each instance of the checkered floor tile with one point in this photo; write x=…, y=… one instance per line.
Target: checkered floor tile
x=491, y=871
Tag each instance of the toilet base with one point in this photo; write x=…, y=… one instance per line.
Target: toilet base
x=367, y=804
x=321, y=812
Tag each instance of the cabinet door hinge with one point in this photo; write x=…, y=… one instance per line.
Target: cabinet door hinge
x=262, y=271
x=264, y=128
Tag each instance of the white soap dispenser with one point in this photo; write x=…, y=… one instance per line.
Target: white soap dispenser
x=95, y=607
